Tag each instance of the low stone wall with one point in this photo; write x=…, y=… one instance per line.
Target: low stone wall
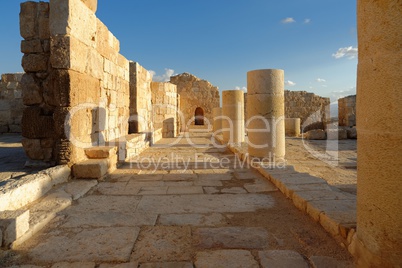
x=347, y=111
x=11, y=105
x=164, y=108
x=195, y=93
x=313, y=110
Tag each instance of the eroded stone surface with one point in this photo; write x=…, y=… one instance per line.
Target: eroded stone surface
x=163, y=244
x=205, y=203
x=282, y=259
x=191, y=219
x=100, y=245
x=232, y=238
x=225, y=258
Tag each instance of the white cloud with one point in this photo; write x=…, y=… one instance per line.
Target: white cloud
x=320, y=80
x=335, y=95
x=290, y=83
x=349, y=52
x=307, y=21
x=241, y=88
x=162, y=78
x=288, y=20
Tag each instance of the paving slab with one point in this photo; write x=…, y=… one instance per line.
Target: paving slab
x=185, y=190
x=109, y=219
x=104, y=203
x=163, y=244
x=212, y=219
x=260, y=186
x=78, y=188
x=116, y=188
x=121, y=265
x=74, y=265
x=211, y=190
x=205, y=203
x=81, y=245
x=167, y=265
x=233, y=190
x=328, y=262
x=225, y=258
x=232, y=238
x=282, y=259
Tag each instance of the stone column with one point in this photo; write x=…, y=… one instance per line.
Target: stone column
x=265, y=112
x=379, y=125
x=233, y=113
x=216, y=114
x=292, y=127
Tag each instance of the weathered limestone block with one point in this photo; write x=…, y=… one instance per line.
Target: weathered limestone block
x=315, y=134
x=13, y=224
x=233, y=116
x=72, y=17
x=33, y=149
x=35, y=125
x=90, y=169
x=34, y=20
x=337, y=134
x=68, y=88
x=31, y=46
x=35, y=62
x=91, y=4
x=31, y=92
x=100, y=152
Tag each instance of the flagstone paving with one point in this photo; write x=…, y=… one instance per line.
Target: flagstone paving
x=186, y=205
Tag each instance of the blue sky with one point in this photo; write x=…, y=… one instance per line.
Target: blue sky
x=314, y=41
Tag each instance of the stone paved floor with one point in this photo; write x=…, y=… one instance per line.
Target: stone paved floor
x=332, y=160
x=179, y=206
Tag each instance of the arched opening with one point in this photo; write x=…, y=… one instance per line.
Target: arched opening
x=199, y=116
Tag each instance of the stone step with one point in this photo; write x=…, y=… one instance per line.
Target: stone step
x=91, y=169
x=16, y=194
x=46, y=209
x=100, y=152
x=13, y=225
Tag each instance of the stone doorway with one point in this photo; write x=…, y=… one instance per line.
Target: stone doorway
x=199, y=116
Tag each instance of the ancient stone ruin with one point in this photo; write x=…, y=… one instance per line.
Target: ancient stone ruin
x=88, y=109
x=347, y=111
x=11, y=105
x=197, y=99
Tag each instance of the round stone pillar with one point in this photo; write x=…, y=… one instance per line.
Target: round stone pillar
x=379, y=126
x=265, y=112
x=217, y=119
x=233, y=116
x=292, y=127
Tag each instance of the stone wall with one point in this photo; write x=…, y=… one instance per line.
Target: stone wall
x=347, y=111
x=140, y=99
x=11, y=105
x=74, y=74
x=312, y=109
x=164, y=109
x=195, y=93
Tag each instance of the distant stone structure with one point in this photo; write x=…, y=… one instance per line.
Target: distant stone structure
x=347, y=111
x=313, y=110
x=11, y=105
x=197, y=99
